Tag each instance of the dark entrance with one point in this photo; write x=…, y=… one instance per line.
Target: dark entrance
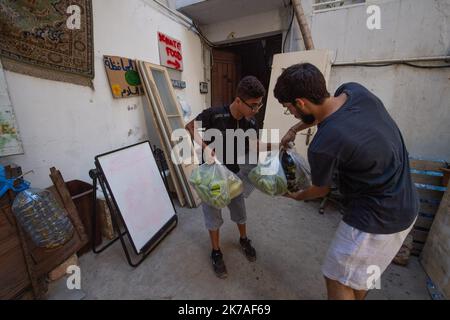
x=234, y=61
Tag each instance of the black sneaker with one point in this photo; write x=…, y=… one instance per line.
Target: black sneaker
x=218, y=264
x=248, y=250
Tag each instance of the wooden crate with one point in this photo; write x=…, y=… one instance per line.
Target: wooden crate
x=429, y=179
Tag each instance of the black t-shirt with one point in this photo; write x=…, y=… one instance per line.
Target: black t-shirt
x=220, y=118
x=362, y=144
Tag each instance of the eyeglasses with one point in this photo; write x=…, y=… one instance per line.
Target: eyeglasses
x=253, y=107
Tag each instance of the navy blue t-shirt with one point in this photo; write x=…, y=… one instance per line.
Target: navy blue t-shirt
x=362, y=146
x=220, y=118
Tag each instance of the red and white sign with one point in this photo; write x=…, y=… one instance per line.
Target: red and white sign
x=170, y=52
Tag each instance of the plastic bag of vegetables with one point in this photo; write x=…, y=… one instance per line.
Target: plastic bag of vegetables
x=235, y=185
x=268, y=176
x=215, y=184
x=296, y=170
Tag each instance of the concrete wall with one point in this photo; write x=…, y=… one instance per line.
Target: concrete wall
x=243, y=28
x=66, y=125
x=418, y=99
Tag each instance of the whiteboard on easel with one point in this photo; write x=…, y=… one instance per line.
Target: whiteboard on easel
x=138, y=190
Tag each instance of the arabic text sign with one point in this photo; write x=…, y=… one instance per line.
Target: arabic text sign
x=123, y=77
x=170, y=52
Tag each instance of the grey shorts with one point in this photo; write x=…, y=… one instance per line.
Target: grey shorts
x=213, y=216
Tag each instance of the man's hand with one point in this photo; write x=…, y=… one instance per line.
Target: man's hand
x=312, y=192
x=292, y=132
x=209, y=155
x=294, y=195
x=287, y=138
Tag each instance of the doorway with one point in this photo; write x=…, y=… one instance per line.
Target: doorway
x=232, y=62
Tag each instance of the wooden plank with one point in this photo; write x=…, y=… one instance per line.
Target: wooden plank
x=66, y=198
x=426, y=179
x=419, y=235
x=446, y=178
x=165, y=146
x=37, y=286
x=167, y=131
x=418, y=245
x=16, y=272
x=9, y=243
x=187, y=168
x=183, y=170
x=430, y=194
x=7, y=229
x=426, y=164
x=417, y=248
x=428, y=208
x=152, y=93
x=422, y=186
x=423, y=222
x=436, y=252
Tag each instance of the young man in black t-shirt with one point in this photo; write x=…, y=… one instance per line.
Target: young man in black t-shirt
x=239, y=115
x=359, y=141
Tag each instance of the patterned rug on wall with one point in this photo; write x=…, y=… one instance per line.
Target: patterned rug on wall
x=50, y=39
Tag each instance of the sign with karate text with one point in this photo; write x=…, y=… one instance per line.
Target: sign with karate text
x=170, y=52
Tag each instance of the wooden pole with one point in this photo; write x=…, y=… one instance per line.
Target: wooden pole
x=303, y=24
x=307, y=39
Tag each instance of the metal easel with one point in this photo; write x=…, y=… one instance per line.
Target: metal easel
x=98, y=178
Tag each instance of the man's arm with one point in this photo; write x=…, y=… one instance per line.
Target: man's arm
x=190, y=127
x=208, y=154
x=292, y=132
x=312, y=192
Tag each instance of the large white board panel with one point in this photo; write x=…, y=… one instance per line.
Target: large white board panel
x=139, y=191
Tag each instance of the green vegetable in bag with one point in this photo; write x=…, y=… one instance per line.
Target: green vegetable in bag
x=215, y=184
x=235, y=186
x=274, y=184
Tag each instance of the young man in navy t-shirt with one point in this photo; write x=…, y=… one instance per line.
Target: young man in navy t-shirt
x=359, y=143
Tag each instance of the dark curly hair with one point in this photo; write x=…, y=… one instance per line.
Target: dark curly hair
x=301, y=80
x=249, y=88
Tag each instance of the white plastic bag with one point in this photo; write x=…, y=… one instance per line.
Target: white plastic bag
x=296, y=170
x=215, y=184
x=268, y=176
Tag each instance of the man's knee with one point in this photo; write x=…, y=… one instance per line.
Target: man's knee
x=338, y=291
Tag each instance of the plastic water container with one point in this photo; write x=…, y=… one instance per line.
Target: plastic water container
x=42, y=218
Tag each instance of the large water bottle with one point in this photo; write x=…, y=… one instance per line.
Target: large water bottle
x=42, y=218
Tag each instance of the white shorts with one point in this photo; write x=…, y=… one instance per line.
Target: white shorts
x=357, y=259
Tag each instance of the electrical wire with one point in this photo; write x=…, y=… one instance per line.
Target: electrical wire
x=426, y=67
x=375, y=65
x=190, y=23
x=210, y=44
x=202, y=36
